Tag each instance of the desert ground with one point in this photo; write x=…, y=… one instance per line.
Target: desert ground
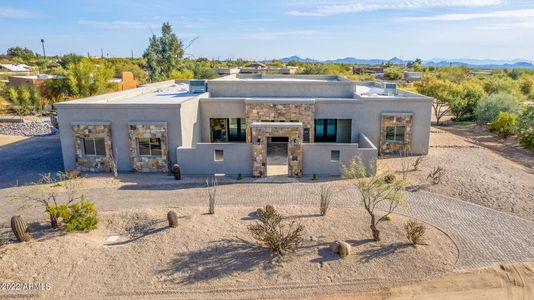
x=213, y=256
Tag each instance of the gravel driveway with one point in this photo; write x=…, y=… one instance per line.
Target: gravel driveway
x=21, y=163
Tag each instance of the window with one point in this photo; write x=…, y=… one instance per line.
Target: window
x=94, y=146
x=149, y=147
x=238, y=130
x=228, y=130
x=218, y=155
x=334, y=155
x=325, y=130
x=395, y=134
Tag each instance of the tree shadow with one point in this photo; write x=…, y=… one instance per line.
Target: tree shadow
x=356, y=243
x=221, y=259
x=142, y=235
x=41, y=232
x=382, y=251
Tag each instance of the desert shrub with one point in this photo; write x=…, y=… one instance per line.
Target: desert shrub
x=212, y=191
x=415, y=232
x=489, y=107
x=436, y=175
x=326, y=193
x=504, y=125
x=417, y=162
x=389, y=178
x=277, y=236
x=81, y=216
x=525, y=127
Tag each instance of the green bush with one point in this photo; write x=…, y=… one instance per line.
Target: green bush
x=489, y=107
x=525, y=127
x=81, y=216
x=504, y=125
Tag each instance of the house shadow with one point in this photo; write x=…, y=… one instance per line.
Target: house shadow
x=382, y=251
x=220, y=259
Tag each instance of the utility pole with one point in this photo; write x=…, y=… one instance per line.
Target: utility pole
x=101, y=53
x=44, y=53
x=132, y=53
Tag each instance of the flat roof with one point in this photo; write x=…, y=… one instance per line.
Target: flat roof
x=167, y=92
x=281, y=78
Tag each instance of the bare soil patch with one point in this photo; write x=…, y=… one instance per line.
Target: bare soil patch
x=213, y=256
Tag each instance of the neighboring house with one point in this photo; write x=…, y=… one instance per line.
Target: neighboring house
x=321, y=122
x=126, y=81
x=30, y=80
x=377, y=72
x=254, y=68
x=227, y=71
x=413, y=76
x=14, y=69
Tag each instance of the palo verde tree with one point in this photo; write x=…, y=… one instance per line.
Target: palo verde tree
x=379, y=194
x=164, y=54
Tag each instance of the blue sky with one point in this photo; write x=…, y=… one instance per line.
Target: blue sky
x=264, y=29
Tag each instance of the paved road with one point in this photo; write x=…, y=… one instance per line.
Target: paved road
x=21, y=163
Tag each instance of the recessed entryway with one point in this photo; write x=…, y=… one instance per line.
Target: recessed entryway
x=277, y=156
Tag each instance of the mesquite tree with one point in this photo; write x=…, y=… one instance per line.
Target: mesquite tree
x=381, y=193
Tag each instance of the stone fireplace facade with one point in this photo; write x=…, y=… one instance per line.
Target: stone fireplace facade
x=95, y=163
x=260, y=132
x=148, y=130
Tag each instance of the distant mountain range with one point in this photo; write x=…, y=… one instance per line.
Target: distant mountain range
x=436, y=62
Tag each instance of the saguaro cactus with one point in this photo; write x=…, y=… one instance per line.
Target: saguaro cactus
x=20, y=229
x=172, y=218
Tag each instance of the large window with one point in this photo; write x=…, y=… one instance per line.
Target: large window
x=149, y=147
x=94, y=146
x=238, y=130
x=325, y=130
x=395, y=134
x=228, y=130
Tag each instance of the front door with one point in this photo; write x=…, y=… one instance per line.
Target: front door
x=277, y=156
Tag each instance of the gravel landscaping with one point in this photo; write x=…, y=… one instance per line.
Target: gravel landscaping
x=31, y=128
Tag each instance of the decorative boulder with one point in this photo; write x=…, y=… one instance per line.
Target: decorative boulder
x=172, y=218
x=20, y=229
x=344, y=249
x=176, y=172
x=341, y=248
x=71, y=174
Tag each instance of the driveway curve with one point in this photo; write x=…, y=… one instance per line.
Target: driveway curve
x=484, y=236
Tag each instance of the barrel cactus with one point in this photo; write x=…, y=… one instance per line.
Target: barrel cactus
x=172, y=218
x=20, y=229
x=344, y=249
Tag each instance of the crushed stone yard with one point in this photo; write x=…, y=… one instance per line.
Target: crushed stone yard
x=214, y=255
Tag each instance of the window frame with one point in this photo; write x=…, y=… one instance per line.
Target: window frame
x=149, y=147
x=395, y=139
x=93, y=140
x=325, y=137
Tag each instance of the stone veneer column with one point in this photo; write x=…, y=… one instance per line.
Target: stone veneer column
x=261, y=133
x=395, y=119
x=148, y=130
x=92, y=130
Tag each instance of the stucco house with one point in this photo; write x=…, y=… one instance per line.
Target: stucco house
x=320, y=122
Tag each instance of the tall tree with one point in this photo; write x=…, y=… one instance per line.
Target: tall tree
x=164, y=54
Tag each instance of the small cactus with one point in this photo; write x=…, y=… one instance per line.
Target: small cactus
x=20, y=229
x=172, y=218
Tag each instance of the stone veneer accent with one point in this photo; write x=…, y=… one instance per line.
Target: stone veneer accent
x=92, y=130
x=148, y=130
x=284, y=112
x=260, y=133
x=395, y=119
